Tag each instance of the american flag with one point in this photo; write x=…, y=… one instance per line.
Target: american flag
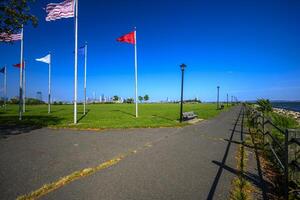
x=10, y=37
x=61, y=10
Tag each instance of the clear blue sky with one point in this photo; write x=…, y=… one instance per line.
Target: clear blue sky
x=251, y=48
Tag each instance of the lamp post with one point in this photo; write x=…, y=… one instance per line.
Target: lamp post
x=182, y=66
x=227, y=99
x=218, y=88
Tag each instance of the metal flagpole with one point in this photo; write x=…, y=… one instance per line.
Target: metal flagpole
x=21, y=77
x=5, y=86
x=24, y=88
x=75, y=63
x=85, y=61
x=49, y=86
x=136, y=77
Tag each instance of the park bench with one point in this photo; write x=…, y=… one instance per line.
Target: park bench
x=188, y=115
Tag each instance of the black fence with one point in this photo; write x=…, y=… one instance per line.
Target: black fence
x=285, y=151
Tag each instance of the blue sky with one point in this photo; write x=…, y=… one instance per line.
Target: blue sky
x=250, y=48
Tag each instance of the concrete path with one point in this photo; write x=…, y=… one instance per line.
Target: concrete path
x=167, y=163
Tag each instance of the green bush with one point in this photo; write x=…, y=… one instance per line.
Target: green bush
x=264, y=105
x=283, y=121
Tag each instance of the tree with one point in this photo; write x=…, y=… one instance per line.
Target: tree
x=140, y=98
x=146, y=97
x=32, y=101
x=129, y=100
x=115, y=98
x=14, y=100
x=264, y=105
x=14, y=14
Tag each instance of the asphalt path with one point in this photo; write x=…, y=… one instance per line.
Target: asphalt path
x=193, y=162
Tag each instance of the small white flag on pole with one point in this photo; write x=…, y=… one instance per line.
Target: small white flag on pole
x=46, y=59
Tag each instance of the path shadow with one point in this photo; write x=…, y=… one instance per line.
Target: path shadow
x=10, y=125
x=256, y=180
x=244, y=132
x=222, y=164
x=263, y=185
x=127, y=113
x=252, y=178
x=246, y=145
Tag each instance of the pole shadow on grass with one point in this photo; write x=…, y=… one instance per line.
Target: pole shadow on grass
x=165, y=118
x=83, y=115
x=127, y=113
x=57, y=110
x=222, y=164
x=10, y=125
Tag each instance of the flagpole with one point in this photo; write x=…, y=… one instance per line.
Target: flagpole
x=136, y=77
x=85, y=61
x=49, y=86
x=5, y=86
x=75, y=62
x=24, y=88
x=21, y=77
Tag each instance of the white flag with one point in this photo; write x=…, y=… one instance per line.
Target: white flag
x=46, y=59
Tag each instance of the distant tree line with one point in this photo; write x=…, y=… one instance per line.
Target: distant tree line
x=192, y=101
x=188, y=101
x=145, y=98
x=29, y=101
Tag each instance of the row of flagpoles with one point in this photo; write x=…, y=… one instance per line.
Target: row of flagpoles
x=65, y=9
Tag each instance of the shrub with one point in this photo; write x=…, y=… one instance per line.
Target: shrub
x=264, y=105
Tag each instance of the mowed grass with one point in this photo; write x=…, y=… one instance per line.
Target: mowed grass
x=105, y=116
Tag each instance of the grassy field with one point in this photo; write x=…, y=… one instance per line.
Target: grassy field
x=102, y=116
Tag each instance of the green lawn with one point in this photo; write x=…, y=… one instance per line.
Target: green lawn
x=101, y=116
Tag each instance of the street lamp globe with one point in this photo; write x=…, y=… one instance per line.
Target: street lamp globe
x=182, y=66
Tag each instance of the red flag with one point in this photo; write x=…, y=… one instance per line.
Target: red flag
x=19, y=65
x=129, y=38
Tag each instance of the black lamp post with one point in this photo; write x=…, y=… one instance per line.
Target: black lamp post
x=227, y=99
x=182, y=66
x=218, y=88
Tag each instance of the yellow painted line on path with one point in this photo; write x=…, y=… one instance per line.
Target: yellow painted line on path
x=212, y=138
x=67, y=179
x=47, y=188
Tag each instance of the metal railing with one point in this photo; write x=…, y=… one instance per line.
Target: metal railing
x=285, y=151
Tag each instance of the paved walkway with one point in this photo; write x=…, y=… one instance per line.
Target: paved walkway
x=193, y=162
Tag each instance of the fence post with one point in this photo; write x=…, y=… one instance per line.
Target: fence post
x=286, y=165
